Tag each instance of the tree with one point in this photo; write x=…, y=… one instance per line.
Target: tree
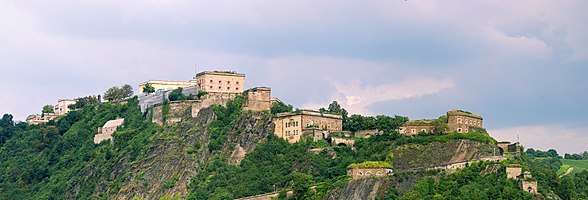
x=6, y=120
x=279, y=107
x=47, y=109
x=334, y=107
x=177, y=95
x=83, y=101
x=148, y=88
x=300, y=184
x=127, y=91
x=116, y=93
x=552, y=153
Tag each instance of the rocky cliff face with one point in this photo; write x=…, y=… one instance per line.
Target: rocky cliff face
x=172, y=159
x=436, y=153
x=412, y=156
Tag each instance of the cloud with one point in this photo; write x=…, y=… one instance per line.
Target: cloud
x=356, y=96
x=563, y=138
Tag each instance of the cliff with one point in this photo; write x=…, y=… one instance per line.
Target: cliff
x=412, y=156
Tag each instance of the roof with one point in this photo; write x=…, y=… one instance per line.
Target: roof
x=166, y=82
x=113, y=123
x=463, y=113
x=427, y=122
x=259, y=89
x=309, y=113
x=223, y=73
x=371, y=165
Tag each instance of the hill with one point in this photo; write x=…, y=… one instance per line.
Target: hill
x=227, y=153
x=578, y=165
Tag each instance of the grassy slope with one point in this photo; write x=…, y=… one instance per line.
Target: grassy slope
x=578, y=165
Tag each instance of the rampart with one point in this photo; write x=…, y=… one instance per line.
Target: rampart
x=176, y=110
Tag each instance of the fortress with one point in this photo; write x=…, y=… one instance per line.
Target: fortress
x=293, y=126
x=456, y=121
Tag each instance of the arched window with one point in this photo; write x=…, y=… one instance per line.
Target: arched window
x=379, y=173
x=458, y=120
x=368, y=173
x=459, y=130
x=359, y=173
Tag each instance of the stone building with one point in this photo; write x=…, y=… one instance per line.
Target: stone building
x=39, y=119
x=369, y=169
x=414, y=127
x=462, y=121
x=164, y=85
x=219, y=81
x=62, y=106
x=293, y=126
x=513, y=171
x=506, y=147
x=528, y=184
x=105, y=132
x=258, y=99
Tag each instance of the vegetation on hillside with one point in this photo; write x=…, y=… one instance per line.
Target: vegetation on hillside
x=45, y=161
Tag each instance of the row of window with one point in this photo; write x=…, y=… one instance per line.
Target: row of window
x=413, y=131
x=290, y=124
x=288, y=133
x=228, y=88
x=228, y=82
x=379, y=173
x=470, y=122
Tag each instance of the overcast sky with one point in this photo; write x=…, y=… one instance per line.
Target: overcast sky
x=522, y=65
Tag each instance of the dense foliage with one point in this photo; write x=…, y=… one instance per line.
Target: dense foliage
x=46, y=161
x=279, y=107
x=381, y=122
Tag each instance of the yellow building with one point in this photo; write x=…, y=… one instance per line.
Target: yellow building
x=295, y=125
x=219, y=81
x=62, y=106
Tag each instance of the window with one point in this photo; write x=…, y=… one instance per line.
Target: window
x=228, y=88
x=287, y=133
x=237, y=82
x=459, y=130
x=236, y=88
x=210, y=81
x=413, y=131
x=228, y=82
x=295, y=132
x=379, y=173
x=458, y=120
x=210, y=87
x=424, y=130
x=359, y=173
x=220, y=82
x=219, y=87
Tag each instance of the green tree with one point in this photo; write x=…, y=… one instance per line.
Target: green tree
x=177, y=95
x=47, y=109
x=300, y=184
x=148, y=88
x=117, y=93
x=279, y=107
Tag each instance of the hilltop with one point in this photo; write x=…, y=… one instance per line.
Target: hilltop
x=229, y=143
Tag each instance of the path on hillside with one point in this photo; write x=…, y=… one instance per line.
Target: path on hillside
x=570, y=170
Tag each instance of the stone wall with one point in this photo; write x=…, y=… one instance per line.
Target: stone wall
x=357, y=173
x=529, y=186
x=368, y=133
x=258, y=99
x=292, y=126
x=462, y=122
x=342, y=141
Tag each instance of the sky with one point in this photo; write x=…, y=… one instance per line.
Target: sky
x=522, y=65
